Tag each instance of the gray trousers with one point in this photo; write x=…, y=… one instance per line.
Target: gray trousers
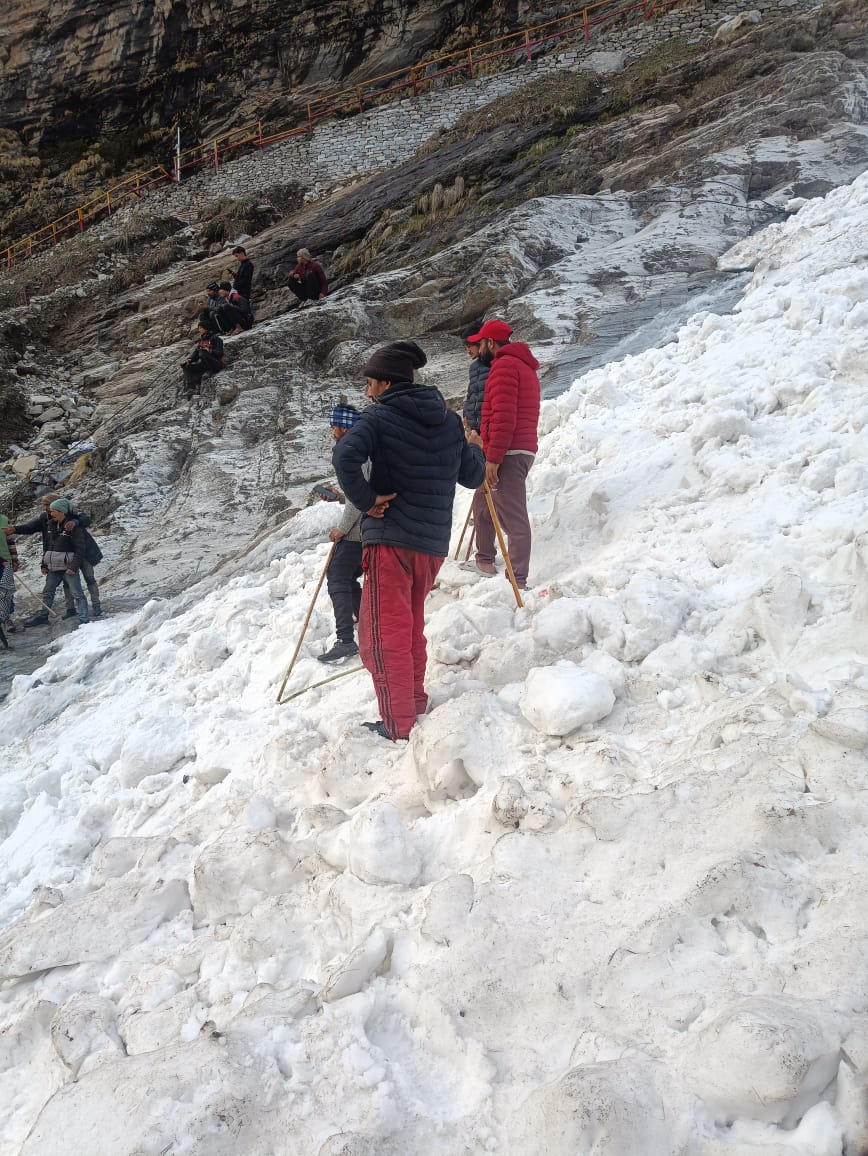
x=72, y=587
x=86, y=571
x=510, y=505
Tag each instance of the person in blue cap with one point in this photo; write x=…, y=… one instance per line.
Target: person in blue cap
x=345, y=568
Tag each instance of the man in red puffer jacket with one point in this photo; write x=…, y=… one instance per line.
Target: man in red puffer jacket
x=510, y=415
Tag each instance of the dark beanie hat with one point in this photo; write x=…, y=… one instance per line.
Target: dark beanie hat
x=225, y=285
x=395, y=362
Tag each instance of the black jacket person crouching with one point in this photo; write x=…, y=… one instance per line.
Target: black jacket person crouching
x=207, y=357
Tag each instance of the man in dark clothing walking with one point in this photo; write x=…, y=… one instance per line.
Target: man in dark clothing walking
x=418, y=452
x=61, y=562
x=510, y=416
x=43, y=524
x=345, y=568
x=308, y=280
x=242, y=282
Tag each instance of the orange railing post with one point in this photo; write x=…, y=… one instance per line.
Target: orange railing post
x=216, y=155
x=527, y=44
x=470, y=62
x=80, y=220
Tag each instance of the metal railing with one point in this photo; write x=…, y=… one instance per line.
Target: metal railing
x=452, y=67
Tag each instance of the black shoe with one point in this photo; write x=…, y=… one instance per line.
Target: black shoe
x=379, y=728
x=71, y=614
x=338, y=651
x=96, y=612
x=36, y=620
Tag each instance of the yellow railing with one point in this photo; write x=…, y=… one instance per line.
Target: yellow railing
x=357, y=98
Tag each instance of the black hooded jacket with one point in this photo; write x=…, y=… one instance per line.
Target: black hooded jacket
x=417, y=450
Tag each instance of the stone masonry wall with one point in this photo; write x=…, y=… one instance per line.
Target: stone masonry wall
x=381, y=137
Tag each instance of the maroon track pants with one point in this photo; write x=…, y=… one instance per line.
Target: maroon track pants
x=510, y=505
x=392, y=631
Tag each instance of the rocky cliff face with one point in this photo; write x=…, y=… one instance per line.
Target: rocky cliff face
x=89, y=90
x=70, y=75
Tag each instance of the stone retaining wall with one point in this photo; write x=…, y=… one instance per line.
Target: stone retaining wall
x=371, y=141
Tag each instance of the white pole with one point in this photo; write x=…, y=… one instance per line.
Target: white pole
x=178, y=157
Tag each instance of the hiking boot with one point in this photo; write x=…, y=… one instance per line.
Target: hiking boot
x=9, y=626
x=485, y=567
x=96, y=612
x=338, y=651
x=39, y=619
x=71, y=612
x=378, y=728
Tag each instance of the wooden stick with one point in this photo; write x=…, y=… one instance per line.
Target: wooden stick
x=322, y=682
x=502, y=544
x=307, y=620
x=463, y=532
x=53, y=613
x=470, y=542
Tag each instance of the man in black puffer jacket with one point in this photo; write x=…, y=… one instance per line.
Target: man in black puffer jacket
x=478, y=375
x=418, y=453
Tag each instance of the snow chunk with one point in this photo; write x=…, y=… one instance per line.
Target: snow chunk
x=562, y=625
x=153, y=745
x=380, y=849
x=456, y=632
x=232, y=874
x=559, y=698
x=98, y=926
x=765, y=1058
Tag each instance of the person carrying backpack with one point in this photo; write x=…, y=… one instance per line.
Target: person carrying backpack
x=64, y=554
x=42, y=524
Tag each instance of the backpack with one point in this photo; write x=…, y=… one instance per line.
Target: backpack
x=92, y=552
x=243, y=307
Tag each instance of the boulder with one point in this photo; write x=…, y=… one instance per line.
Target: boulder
x=23, y=465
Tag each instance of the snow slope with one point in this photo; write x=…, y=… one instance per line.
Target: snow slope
x=610, y=899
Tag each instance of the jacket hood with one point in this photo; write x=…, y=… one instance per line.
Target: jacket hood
x=422, y=403
x=521, y=351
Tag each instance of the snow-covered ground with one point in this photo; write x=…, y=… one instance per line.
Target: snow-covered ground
x=609, y=900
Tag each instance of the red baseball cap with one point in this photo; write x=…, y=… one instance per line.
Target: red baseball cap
x=496, y=330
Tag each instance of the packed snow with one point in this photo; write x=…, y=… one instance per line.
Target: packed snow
x=609, y=899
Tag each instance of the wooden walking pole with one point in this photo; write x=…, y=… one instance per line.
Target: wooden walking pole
x=306, y=621
x=53, y=613
x=490, y=500
x=470, y=542
x=464, y=531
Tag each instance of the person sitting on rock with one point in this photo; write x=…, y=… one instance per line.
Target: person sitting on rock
x=308, y=280
x=234, y=313
x=345, y=568
x=242, y=281
x=207, y=357
x=210, y=305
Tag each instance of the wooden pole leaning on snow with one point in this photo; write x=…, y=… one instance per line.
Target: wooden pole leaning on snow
x=328, y=563
x=29, y=590
x=490, y=500
x=463, y=532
